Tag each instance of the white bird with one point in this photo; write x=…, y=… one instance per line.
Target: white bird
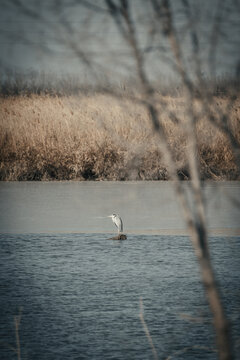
x=117, y=221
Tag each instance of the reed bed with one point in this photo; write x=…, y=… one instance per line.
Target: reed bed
x=98, y=137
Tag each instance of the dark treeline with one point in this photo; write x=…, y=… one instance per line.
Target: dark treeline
x=18, y=83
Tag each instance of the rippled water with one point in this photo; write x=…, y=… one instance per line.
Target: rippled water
x=79, y=295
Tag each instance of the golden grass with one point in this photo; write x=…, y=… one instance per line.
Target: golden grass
x=99, y=137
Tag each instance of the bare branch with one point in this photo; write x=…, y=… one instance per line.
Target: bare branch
x=17, y=320
x=145, y=327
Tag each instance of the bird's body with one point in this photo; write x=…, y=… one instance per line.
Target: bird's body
x=118, y=222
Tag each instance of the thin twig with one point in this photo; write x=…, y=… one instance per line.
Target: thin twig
x=17, y=320
x=17, y=350
x=145, y=327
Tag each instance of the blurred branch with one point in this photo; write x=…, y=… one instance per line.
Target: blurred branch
x=21, y=6
x=222, y=124
x=196, y=225
x=194, y=42
x=215, y=34
x=145, y=327
x=91, y=6
x=116, y=12
x=17, y=320
x=17, y=349
x=164, y=16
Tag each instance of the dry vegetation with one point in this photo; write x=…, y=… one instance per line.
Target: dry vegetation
x=97, y=137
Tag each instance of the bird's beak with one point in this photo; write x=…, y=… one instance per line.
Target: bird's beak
x=109, y=216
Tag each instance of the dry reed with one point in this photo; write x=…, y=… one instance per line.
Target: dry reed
x=97, y=137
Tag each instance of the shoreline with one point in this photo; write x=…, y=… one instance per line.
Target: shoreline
x=214, y=232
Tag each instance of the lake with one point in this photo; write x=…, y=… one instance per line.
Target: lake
x=82, y=207
x=79, y=292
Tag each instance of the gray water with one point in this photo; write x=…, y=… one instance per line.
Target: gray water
x=79, y=292
x=145, y=207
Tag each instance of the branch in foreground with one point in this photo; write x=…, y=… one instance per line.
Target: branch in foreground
x=145, y=327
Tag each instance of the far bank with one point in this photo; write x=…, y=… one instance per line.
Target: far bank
x=100, y=137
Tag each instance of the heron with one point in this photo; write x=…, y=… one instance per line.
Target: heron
x=117, y=221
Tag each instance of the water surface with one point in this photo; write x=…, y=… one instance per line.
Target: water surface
x=80, y=294
x=147, y=207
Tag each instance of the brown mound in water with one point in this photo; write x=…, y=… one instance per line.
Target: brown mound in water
x=119, y=237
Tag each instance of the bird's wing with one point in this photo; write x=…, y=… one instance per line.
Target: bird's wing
x=121, y=224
